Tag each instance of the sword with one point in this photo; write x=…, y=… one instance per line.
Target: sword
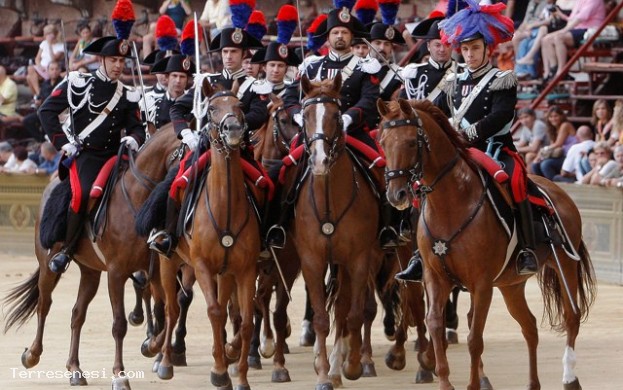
x=197, y=97
x=70, y=129
x=383, y=59
x=140, y=79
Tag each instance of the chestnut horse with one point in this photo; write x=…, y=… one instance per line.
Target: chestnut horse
x=118, y=250
x=462, y=241
x=222, y=243
x=336, y=224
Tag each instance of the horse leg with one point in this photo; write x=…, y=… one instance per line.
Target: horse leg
x=280, y=318
x=89, y=283
x=137, y=315
x=245, y=291
x=316, y=293
x=232, y=349
x=452, y=319
x=267, y=339
x=416, y=312
x=168, y=271
x=369, y=314
x=184, y=299
x=308, y=334
x=515, y=299
x=437, y=297
x=481, y=301
x=356, y=287
x=254, y=355
x=116, y=284
x=336, y=358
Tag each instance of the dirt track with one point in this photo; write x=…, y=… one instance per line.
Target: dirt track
x=599, y=347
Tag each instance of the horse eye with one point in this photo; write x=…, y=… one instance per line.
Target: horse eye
x=412, y=143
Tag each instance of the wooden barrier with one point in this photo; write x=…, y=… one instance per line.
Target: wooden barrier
x=601, y=210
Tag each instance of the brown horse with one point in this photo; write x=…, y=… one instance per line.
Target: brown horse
x=117, y=249
x=335, y=226
x=463, y=242
x=222, y=243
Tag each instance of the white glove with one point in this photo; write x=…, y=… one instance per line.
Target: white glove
x=347, y=121
x=130, y=142
x=190, y=138
x=69, y=149
x=298, y=119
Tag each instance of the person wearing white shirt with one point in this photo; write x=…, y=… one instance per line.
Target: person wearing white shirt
x=216, y=16
x=50, y=50
x=571, y=171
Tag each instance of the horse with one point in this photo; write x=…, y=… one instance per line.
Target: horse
x=222, y=242
x=467, y=244
x=335, y=226
x=116, y=249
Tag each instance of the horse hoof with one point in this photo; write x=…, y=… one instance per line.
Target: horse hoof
x=336, y=381
x=423, y=376
x=352, y=373
x=156, y=364
x=254, y=362
x=135, y=319
x=395, y=362
x=77, y=379
x=220, y=380
x=390, y=334
x=368, y=370
x=178, y=359
x=165, y=372
x=28, y=359
x=424, y=364
x=286, y=349
x=121, y=383
x=324, y=386
x=233, y=370
x=280, y=375
x=243, y=387
x=145, y=351
x=226, y=387
x=231, y=354
x=416, y=345
x=575, y=385
x=308, y=337
x=267, y=349
x=485, y=384
x=452, y=336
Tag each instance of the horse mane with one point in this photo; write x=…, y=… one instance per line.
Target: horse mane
x=258, y=139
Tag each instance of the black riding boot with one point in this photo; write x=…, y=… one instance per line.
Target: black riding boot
x=413, y=272
x=60, y=261
x=165, y=241
x=388, y=237
x=526, y=259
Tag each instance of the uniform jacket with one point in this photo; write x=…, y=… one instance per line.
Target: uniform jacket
x=158, y=107
x=421, y=79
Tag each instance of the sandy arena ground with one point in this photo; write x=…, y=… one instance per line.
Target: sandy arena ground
x=599, y=347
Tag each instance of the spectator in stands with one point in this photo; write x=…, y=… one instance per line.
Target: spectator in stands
x=48, y=159
x=6, y=155
x=22, y=163
x=177, y=10
x=596, y=159
x=600, y=121
x=585, y=14
x=616, y=134
x=78, y=58
x=50, y=50
x=31, y=121
x=8, y=97
x=562, y=135
x=215, y=16
x=527, y=39
x=532, y=135
x=611, y=175
x=571, y=170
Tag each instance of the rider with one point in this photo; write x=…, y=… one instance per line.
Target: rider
x=426, y=81
x=481, y=105
x=101, y=108
x=232, y=42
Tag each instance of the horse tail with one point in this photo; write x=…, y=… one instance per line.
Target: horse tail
x=23, y=300
x=553, y=290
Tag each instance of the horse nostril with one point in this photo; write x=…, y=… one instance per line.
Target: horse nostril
x=401, y=194
x=325, y=161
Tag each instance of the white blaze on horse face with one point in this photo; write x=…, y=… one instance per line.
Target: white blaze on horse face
x=318, y=155
x=568, y=365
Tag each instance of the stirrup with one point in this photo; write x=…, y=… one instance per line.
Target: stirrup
x=276, y=237
x=388, y=238
x=156, y=246
x=60, y=262
x=406, y=231
x=527, y=268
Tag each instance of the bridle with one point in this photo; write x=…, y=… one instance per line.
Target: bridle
x=222, y=128
x=332, y=142
x=279, y=137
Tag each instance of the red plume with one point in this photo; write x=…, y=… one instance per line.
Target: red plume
x=316, y=23
x=436, y=14
x=123, y=11
x=287, y=13
x=165, y=27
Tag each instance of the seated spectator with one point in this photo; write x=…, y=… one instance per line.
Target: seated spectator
x=527, y=38
x=7, y=159
x=8, y=96
x=616, y=124
x=562, y=133
x=596, y=159
x=50, y=50
x=31, y=121
x=585, y=14
x=215, y=16
x=78, y=58
x=600, y=121
x=532, y=135
x=611, y=175
x=22, y=163
x=571, y=170
x=48, y=159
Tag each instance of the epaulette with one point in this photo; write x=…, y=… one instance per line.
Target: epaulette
x=132, y=94
x=198, y=78
x=78, y=79
x=262, y=87
x=308, y=61
x=410, y=71
x=370, y=65
x=448, y=86
x=504, y=79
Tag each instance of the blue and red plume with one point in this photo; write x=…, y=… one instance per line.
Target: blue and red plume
x=366, y=10
x=455, y=6
x=314, y=43
x=436, y=14
x=241, y=12
x=257, y=25
x=287, y=18
x=389, y=10
x=339, y=4
x=187, y=46
x=123, y=18
x=166, y=34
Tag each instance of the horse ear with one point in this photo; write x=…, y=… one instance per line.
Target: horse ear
x=305, y=84
x=405, y=107
x=276, y=100
x=337, y=83
x=207, y=88
x=382, y=107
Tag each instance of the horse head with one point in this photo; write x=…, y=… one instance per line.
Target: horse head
x=226, y=125
x=272, y=140
x=322, y=122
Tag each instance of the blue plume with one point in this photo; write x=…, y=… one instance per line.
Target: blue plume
x=240, y=14
x=366, y=16
x=285, y=30
x=256, y=30
x=344, y=3
x=389, y=10
x=122, y=28
x=455, y=6
x=167, y=43
x=187, y=47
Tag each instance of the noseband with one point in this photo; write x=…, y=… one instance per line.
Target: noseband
x=333, y=142
x=221, y=128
